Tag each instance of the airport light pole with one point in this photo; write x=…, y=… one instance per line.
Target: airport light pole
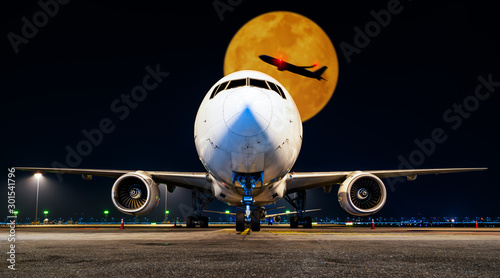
x=37, y=175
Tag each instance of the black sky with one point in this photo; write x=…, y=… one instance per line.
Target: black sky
x=393, y=92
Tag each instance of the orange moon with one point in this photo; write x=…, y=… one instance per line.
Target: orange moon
x=295, y=39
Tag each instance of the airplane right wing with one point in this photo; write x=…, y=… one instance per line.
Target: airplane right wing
x=200, y=181
x=135, y=192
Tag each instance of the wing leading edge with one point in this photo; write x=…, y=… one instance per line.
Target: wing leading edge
x=309, y=180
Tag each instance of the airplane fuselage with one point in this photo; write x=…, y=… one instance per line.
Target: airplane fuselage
x=248, y=129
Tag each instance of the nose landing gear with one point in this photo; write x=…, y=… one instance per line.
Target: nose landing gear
x=248, y=181
x=254, y=222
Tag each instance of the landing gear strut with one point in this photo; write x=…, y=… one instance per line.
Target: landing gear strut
x=200, y=201
x=299, y=203
x=248, y=181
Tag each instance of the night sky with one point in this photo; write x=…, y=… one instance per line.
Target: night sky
x=409, y=80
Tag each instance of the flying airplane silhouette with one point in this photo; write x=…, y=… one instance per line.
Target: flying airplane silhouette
x=282, y=65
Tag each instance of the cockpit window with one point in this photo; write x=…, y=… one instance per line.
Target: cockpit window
x=277, y=89
x=250, y=82
x=212, y=95
x=219, y=88
x=237, y=83
x=258, y=83
x=281, y=91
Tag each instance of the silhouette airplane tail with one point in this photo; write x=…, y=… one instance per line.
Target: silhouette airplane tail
x=319, y=72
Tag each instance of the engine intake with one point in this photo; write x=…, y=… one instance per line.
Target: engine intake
x=135, y=193
x=362, y=194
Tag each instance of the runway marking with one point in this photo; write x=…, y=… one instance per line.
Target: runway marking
x=387, y=233
x=245, y=232
x=225, y=231
x=446, y=235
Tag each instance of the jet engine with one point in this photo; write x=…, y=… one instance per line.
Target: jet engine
x=262, y=213
x=362, y=194
x=135, y=193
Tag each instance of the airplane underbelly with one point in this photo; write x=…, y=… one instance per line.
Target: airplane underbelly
x=263, y=195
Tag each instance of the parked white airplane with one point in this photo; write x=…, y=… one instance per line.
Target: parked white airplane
x=248, y=134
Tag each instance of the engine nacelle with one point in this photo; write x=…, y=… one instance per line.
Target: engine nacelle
x=262, y=214
x=277, y=219
x=135, y=193
x=362, y=194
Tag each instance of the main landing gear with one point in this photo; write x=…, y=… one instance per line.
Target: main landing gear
x=200, y=201
x=248, y=181
x=299, y=203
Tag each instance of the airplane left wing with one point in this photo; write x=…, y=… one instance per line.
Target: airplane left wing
x=191, y=180
x=309, y=180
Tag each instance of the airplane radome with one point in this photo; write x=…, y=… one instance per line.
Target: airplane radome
x=248, y=135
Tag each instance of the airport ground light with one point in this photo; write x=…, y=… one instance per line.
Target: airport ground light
x=482, y=222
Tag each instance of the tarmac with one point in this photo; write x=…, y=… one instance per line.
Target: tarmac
x=275, y=251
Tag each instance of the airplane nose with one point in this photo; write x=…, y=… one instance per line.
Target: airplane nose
x=247, y=111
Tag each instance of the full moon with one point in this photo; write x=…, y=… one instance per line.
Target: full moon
x=295, y=39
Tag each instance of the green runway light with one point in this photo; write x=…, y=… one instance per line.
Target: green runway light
x=287, y=211
x=45, y=212
x=106, y=212
x=227, y=211
x=167, y=211
x=16, y=212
